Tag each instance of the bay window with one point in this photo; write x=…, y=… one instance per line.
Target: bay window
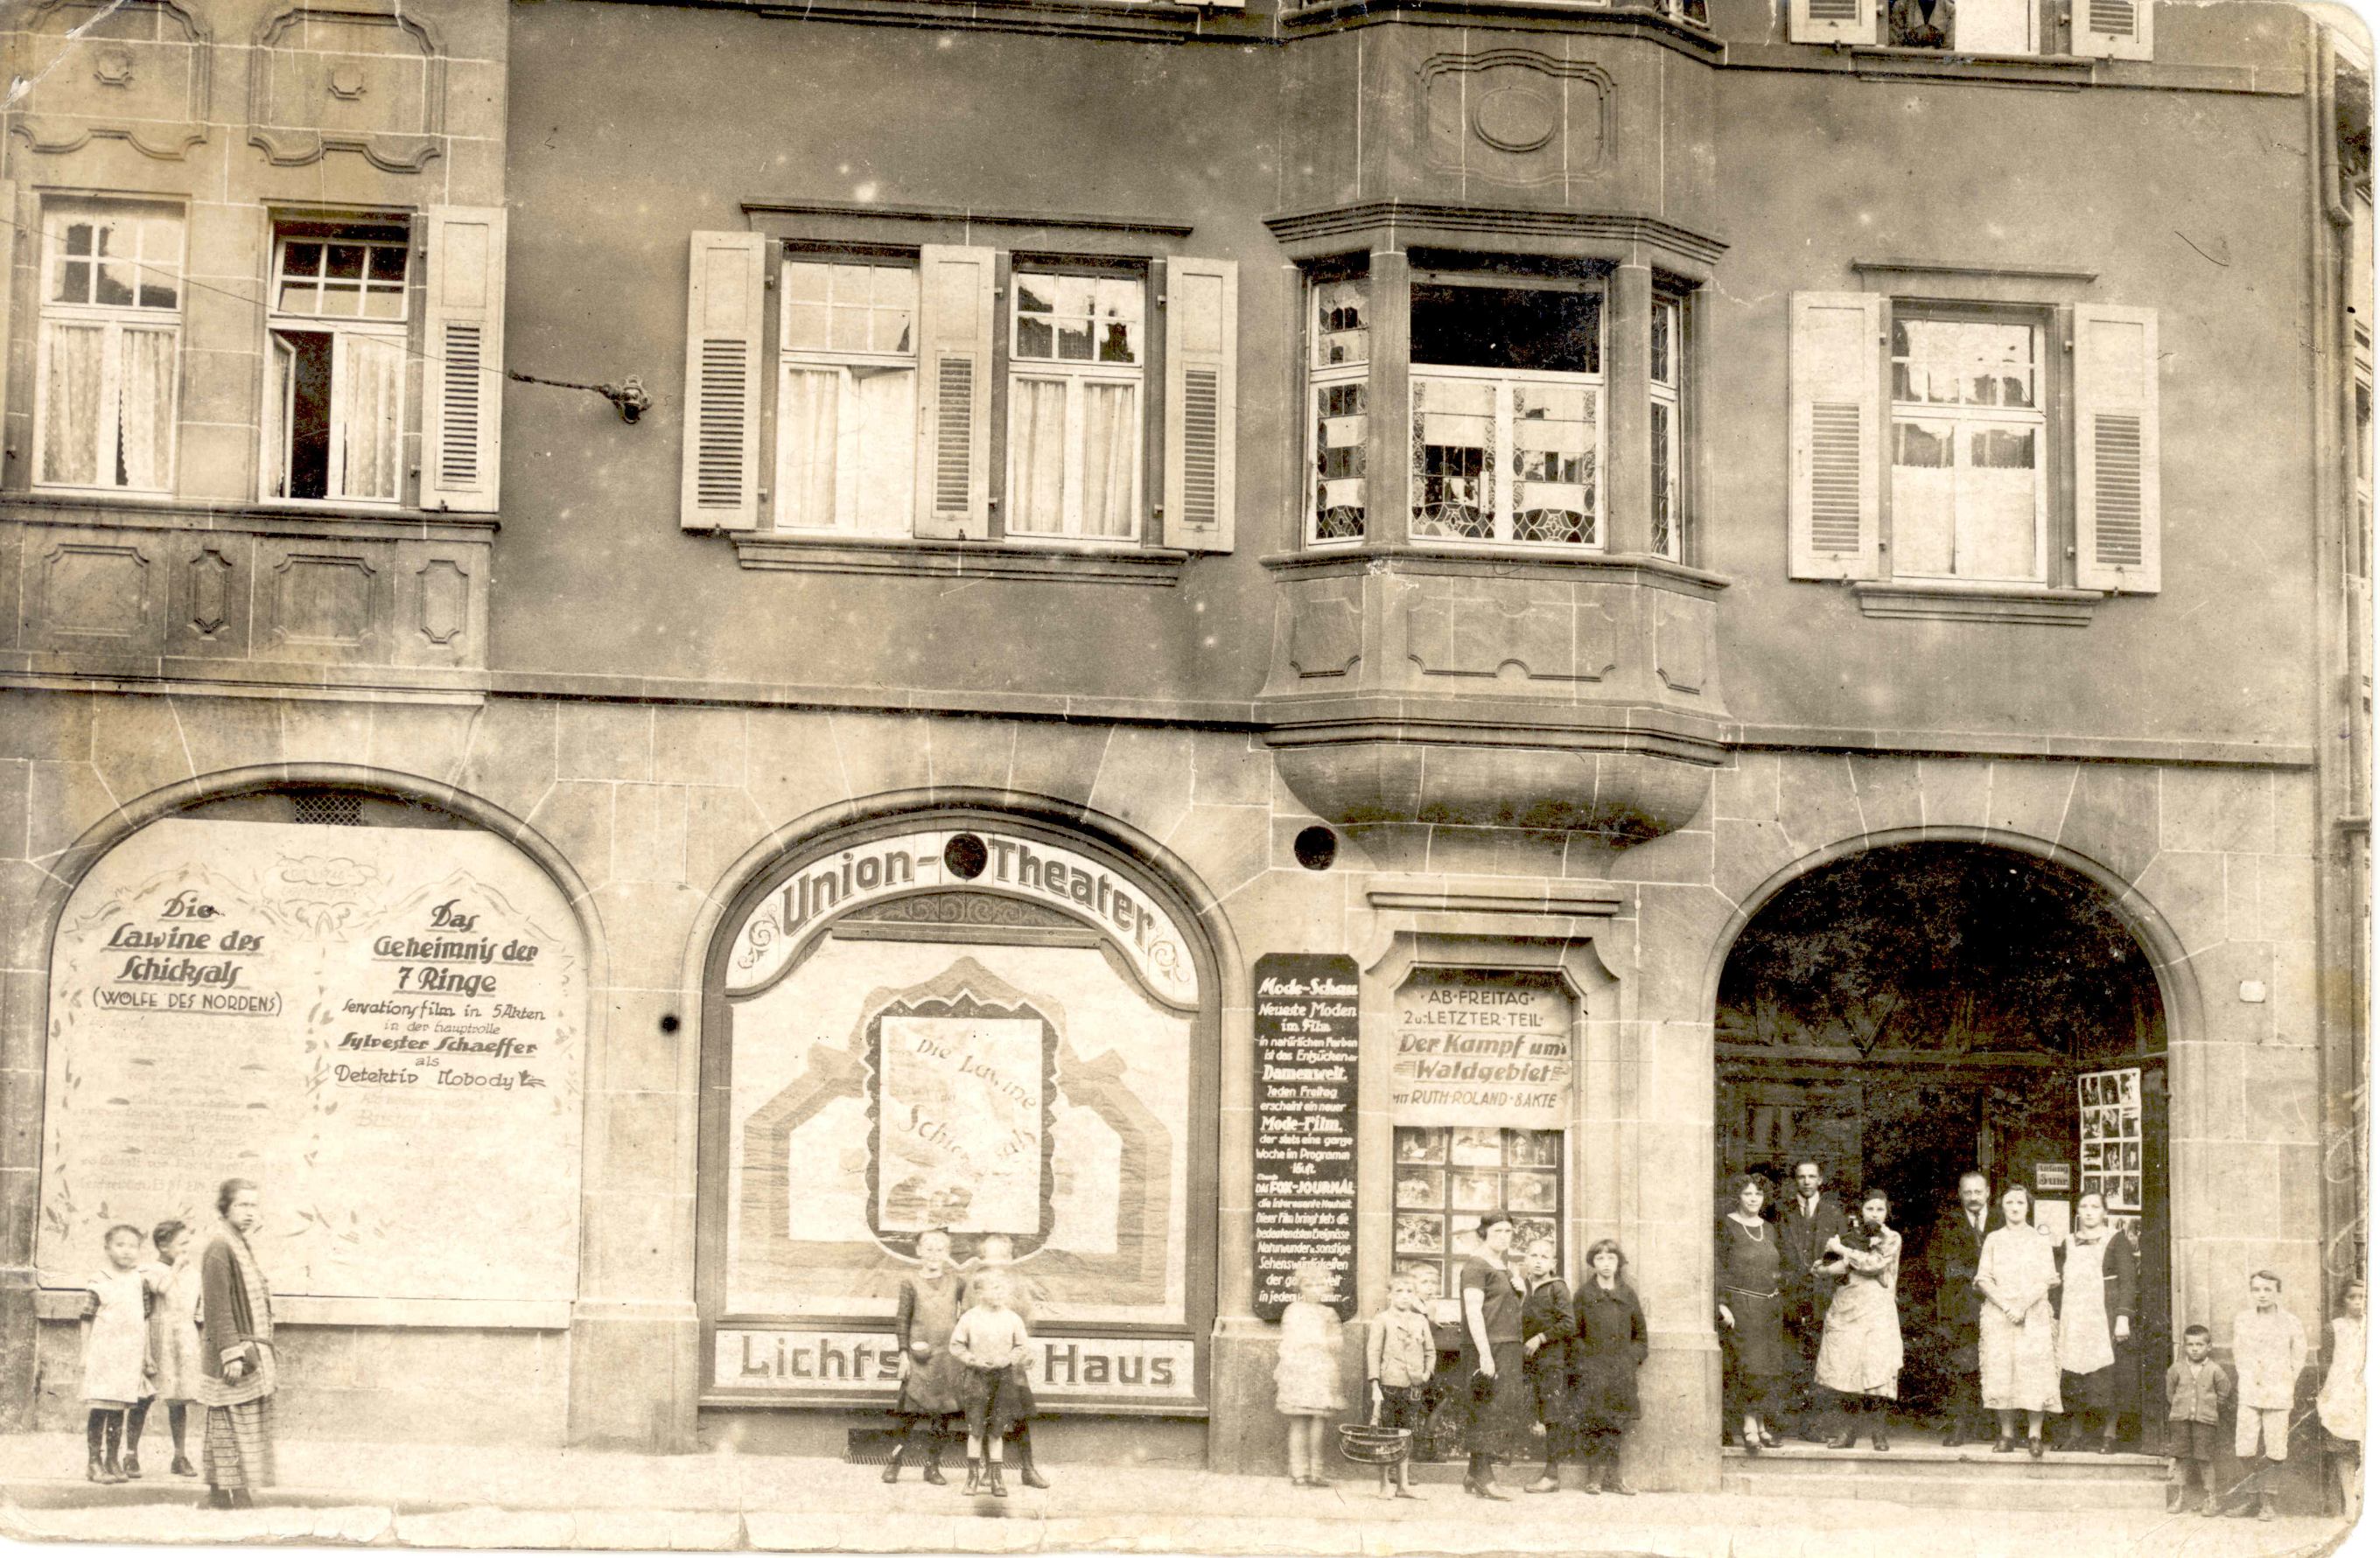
x=109, y=347
x=1338, y=392
x=334, y=422
x=1666, y=373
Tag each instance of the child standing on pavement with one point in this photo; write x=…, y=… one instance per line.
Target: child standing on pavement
x=998, y=1252
x=929, y=1307
x=2195, y=1390
x=2268, y=1347
x=1306, y=1377
x=1399, y=1356
x=1547, y=1327
x=116, y=1365
x=173, y=1337
x=990, y=1341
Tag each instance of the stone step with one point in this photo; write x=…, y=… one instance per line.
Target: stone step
x=1949, y=1490
x=1907, y=1459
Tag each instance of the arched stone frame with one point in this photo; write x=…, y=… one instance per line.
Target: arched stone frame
x=129, y=816
x=1221, y=1086
x=2160, y=945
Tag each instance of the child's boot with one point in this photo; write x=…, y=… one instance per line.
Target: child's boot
x=991, y=1482
x=93, y=1427
x=110, y=1470
x=892, y=1464
x=2265, y=1507
x=934, y=1461
x=1026, y=1471
x=975, y=1475
x=1613, y=1482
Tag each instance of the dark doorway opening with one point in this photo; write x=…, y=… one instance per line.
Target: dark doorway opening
x=1915, y=1011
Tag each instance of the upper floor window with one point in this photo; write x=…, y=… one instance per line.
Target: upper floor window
x=108, y=355
x=1507, y=410
x=2106, y=28
x=1340, y=353
x=1666, y=379
x=333, y=423
x=1926, y=438
x=894, y=364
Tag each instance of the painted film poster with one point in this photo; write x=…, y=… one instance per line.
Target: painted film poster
x=1306, y=1065
x=382, y=1027
x=966, y=1030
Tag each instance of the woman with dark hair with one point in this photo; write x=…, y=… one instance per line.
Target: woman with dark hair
x=1751, y=1309
x=2099, y=1277
x=2019, y=1332
x=238, y=1377
x=1859, y=1353
x=1491, y=1356
x=1610, y=1348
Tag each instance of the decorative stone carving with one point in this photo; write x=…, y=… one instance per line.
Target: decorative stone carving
x=1326, y=631
x=210, y=591
x=88, y=592
x=326, y=80
x=320, y=600
x=139, y=72
x=446, y=601
x=1452, y=632
x=1514, y=117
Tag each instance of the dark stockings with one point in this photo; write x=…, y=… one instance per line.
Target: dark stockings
x=132, y=1427
x=178, y=1419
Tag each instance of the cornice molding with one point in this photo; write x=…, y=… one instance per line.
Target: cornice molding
x=1409, y=224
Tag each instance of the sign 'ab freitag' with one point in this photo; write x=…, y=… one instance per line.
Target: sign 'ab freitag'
x=1306, y=1065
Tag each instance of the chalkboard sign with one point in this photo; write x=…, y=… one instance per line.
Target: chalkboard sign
x=1306, y=1064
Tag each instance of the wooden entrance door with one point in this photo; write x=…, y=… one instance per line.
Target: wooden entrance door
x=1767, y=1125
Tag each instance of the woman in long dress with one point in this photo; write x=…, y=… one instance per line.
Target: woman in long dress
x=2340, y=1403
x=2099, y=1285
x=1610, y=1350
x=1491, y=1357
x=241, y=1377
x=1858, y=1352
x=2020, y=1330
x=1751, y=1309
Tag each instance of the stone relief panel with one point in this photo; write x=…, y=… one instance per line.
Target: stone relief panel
x=140, y=71
x=1544, y=635
x=1326, y=630
x=1682, y=642
x=1514, y=117
x=93, y=591
x=326, y=80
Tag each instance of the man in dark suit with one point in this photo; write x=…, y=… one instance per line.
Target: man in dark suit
x=1807, y=1219
x=1956, y=1250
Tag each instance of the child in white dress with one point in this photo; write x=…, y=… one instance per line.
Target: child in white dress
x=116, y=1365
x=1307, y=1377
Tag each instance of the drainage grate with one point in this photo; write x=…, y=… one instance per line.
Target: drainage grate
x=871, y=1446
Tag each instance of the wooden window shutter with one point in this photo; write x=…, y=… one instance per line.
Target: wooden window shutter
x=2115, y=499
x=2112, y=28
x=1832, y=21
x=955, y=287
x=721, y=483
x=464, y=339
x=1202, y=307
x=1837, y=413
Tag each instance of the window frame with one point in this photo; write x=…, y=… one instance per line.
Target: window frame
x=1668, y=391
x=113, y=322
x=1008, y=370
x=1320, y=379
x=2053, y=524
x=791, y=359
x=274, y=455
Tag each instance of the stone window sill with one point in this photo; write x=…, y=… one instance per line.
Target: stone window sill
x=1502, y=562
x=1156, y=566
x=1883, y=59
x=90, y=512
x=1944, y=601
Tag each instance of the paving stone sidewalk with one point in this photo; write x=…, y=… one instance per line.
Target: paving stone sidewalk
x=482, y=1497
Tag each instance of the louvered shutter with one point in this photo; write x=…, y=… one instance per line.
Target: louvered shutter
x=464, y=378
x=2116, y=502
x=1836, y=412
x=1832, y=21
x=955, y=392
x=722, y=458
x=1202, y=309
x=2112, y=28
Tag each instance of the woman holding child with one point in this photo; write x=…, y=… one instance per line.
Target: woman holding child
x=2020, y=1330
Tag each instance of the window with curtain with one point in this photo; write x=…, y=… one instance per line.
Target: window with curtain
x=109, y=347
x=1969, y=481
x=1076, y=357
x=1507, y=411
x=847, y=399
x=334, y=385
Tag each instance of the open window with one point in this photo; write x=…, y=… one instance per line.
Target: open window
x=334, y=409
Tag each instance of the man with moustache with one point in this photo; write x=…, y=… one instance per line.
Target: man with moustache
x=1955, y=1252
x=1808, y=1216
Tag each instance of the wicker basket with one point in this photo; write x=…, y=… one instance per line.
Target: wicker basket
x=1366, y=1445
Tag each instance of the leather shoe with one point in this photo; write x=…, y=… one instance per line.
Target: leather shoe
x=1878, y=1440
x=2003, y=1447
x=2032, y=1448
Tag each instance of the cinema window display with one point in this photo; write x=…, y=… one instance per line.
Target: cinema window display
x=970, y=1027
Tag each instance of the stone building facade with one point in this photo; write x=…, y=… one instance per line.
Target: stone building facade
x=1508, y=496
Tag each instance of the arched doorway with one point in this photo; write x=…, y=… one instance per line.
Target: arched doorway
x=1915, y=1010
